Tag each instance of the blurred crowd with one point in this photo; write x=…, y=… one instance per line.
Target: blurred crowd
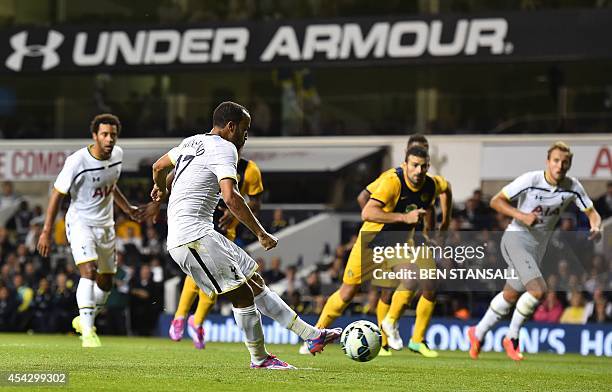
x=39, y=293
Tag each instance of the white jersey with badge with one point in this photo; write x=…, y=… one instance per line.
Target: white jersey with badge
x=200, y=161
x=535, y=194
x=90, y=183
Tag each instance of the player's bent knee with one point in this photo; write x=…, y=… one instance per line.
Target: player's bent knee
x=256, y=283
x=241, y=297
x=430, y=295
x=386, y=295
x=511, y=296
x=428, y=285
x=537, y=288
x=409, y=284
x=257, y=289
x=257, y=279
x=88, y=270
x=538, y=294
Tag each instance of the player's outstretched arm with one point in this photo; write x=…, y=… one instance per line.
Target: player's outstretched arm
x=373, y=212
x=500, y=203
x=595, y=222
x=239, y=208
x=44, y=240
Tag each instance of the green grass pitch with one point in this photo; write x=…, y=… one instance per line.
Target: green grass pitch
x=147, y=364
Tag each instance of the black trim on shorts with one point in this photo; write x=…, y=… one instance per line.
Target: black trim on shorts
x=509, y=261
x=505, y=250
x=206, y=271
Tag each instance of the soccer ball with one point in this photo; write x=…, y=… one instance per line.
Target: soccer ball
x=361, y=341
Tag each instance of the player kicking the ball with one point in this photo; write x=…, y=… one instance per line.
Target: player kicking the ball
x=542, y=197
x=205, y=165
x=250, y=185
x=90, y=176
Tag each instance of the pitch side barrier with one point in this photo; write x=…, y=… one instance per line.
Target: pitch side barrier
x=466, y=160
x=443, y=334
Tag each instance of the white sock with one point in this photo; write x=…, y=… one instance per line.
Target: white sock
x=249, y=321
x=498, y=308
x=271, y=305
x=525, y=306
x=86, y=303
x=100, y=296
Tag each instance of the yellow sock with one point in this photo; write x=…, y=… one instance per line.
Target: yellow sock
x=400, y=300
x=332, y=310
x=188, y=295
x=381, y=311
x=424, y=310
x=205, y=304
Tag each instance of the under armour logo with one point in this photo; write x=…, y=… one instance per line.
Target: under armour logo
x=47, y=51
x=95, y=179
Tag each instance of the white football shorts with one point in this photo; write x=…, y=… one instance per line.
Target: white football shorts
x=215, y=263
x=90, y=243
x=523, y=254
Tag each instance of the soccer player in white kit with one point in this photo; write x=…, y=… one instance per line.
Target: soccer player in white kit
x=542, y=196
x=205, y=166
x=90, y=176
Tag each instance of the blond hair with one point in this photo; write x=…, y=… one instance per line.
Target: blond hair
x=561, y=146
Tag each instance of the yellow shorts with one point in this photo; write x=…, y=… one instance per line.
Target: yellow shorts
x=354, y=274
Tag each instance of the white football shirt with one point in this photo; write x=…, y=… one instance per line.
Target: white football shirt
x=90, y=183
x=535, y=194
x=200, y=161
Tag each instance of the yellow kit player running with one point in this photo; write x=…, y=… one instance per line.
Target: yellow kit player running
x=392, y=303
x=251, y=185
x=397, y=205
